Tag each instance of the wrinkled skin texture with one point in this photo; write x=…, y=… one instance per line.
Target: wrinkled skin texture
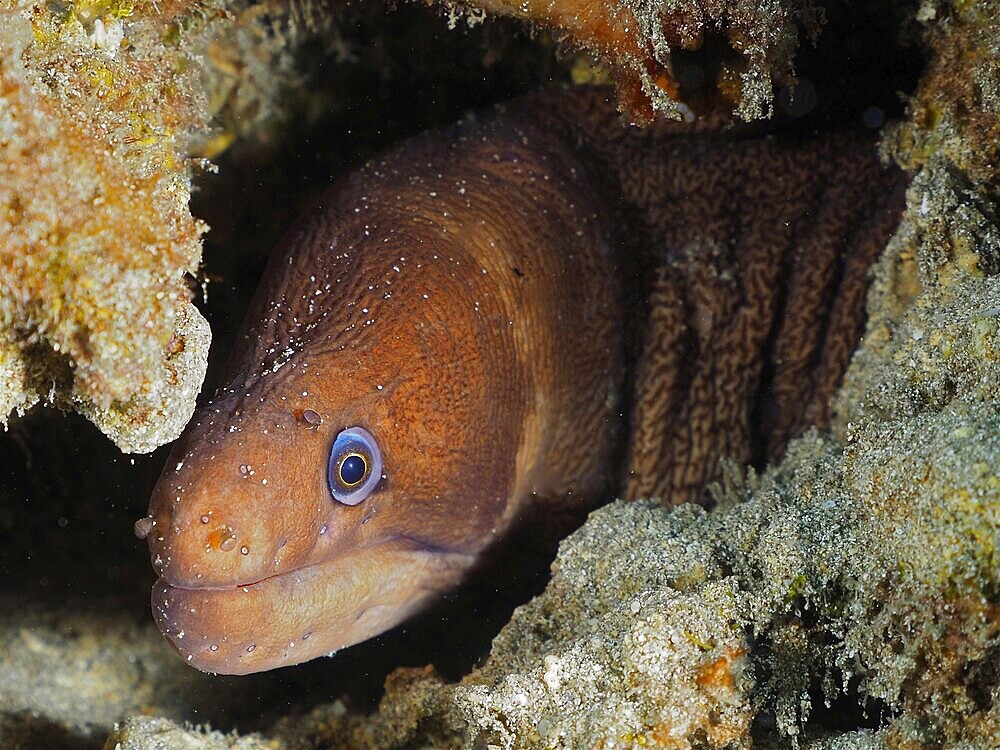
x=463, y=300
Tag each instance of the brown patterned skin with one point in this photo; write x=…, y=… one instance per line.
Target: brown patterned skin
x=464, y=298
x=754, y=253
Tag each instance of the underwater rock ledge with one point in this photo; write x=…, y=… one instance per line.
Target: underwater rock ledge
x=675, y=628
x=94, y=309
x=639, y=39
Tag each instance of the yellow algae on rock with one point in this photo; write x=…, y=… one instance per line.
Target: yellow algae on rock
x=955, y=112
x=105, y=106
x=160, y=410
x=96, y=231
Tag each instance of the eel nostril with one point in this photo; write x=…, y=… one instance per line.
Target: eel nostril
x=222, y=538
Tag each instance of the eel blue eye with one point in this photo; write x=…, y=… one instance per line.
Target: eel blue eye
x=355, y=466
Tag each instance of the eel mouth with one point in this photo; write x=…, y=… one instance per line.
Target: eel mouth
x=292, y=617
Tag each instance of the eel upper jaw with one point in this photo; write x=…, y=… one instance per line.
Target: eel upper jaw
x=291, y=617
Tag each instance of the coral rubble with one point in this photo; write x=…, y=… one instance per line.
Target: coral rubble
x=836, y=575
x=678, y=628
x=97, y=232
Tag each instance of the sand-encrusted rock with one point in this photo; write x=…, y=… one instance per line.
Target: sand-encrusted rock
x=97, y=231
x=837, y=576
x=105, y=110
x=955, y=113
x=142, y=733
x=833, y=577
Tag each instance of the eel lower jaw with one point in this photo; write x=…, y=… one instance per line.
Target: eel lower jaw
x=296, y=616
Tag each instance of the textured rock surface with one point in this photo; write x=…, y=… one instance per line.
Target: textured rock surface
x=869, y=572
x=637, y=39
x=162, y=734
x=831, y=565
x=104, y=117
x=110, y=666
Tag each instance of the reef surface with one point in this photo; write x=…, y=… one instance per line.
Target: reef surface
x=108, y=108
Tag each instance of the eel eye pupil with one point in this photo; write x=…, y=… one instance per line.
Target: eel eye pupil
x=353, y=469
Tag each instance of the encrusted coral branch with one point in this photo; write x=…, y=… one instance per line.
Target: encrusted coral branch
x=638, y=37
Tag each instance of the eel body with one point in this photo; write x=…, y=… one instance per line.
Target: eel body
x=503, y=313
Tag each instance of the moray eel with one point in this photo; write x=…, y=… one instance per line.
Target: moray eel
x=497, y=315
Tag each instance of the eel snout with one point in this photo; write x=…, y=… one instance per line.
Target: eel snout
x=236, y=511
x=305, y=613
x=258, y=567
